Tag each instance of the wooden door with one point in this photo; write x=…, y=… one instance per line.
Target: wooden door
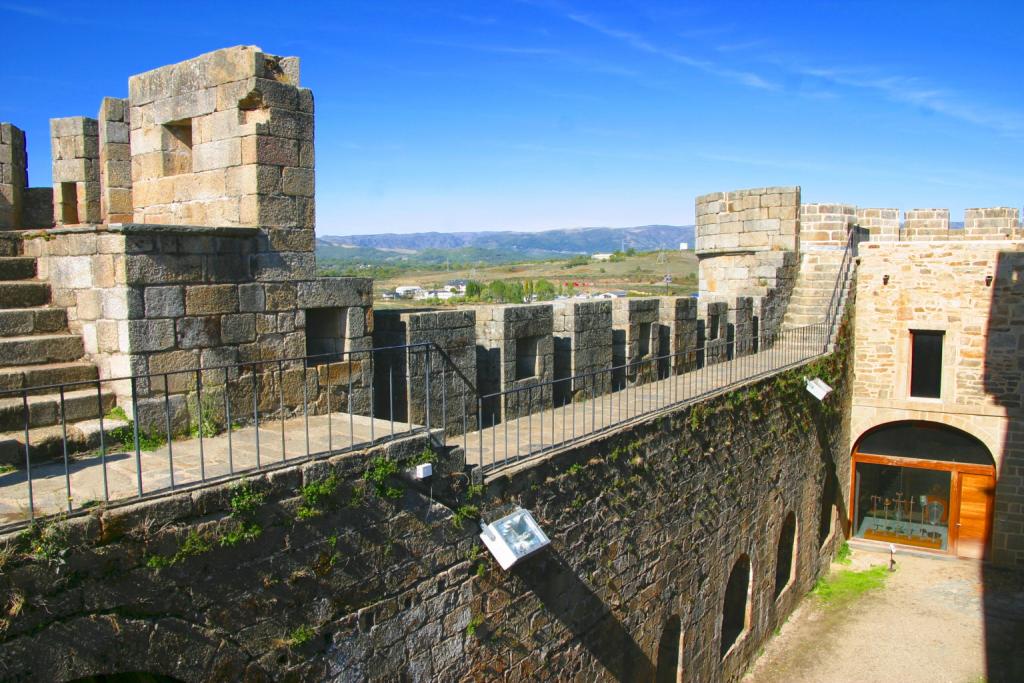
x=977, y=492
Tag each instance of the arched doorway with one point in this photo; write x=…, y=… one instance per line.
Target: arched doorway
x=924, y=485
x=668, y=670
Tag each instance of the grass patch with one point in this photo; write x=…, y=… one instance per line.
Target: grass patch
x=847, y=585
x=843, y=556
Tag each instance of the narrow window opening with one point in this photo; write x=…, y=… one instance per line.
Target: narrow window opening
x=177, y=152
x=644, y=345
x=785, y=566
x=69, y=203
x=926, y=364
x=713, y=326
x=526, y=357
x=735, y=613
x=668, y=651
x=827, y=511
x=325, y=335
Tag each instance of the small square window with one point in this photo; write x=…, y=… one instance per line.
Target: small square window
x=926, y=364
x=177, y=147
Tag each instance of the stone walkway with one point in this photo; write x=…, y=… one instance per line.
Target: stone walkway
x=188, y=461
x=936, y=620
x=515, y=440
x=184, y=462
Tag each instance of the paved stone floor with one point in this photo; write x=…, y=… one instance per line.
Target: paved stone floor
x=189, y=460
x=935, y=620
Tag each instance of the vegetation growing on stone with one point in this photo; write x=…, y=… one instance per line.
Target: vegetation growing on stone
x=315, y=494
x=379, y=473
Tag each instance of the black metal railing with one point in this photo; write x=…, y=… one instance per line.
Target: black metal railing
x=67, y=447
x=527, y=421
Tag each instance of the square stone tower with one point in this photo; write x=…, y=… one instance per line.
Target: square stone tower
x=225, y=139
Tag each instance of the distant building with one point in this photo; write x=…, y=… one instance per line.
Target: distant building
x=458, y=285
x=408, y=291
x=388, y=296
x=612, y=294
x=602, y=257
x=684, y=246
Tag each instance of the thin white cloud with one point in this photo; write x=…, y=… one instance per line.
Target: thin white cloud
x=918, y=93
x=640, y=43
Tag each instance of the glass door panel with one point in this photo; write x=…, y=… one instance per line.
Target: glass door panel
x=906, y=505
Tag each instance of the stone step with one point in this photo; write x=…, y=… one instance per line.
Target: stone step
x=44, y=410
x=40, y=348
x=11, y=244
x=24, y=294
x=28, y=376
x=17, y=267
x=37, y=320
x=47, y=443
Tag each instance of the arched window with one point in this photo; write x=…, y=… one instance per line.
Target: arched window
x=785, y=555
x=735, y=607
x=668, y=651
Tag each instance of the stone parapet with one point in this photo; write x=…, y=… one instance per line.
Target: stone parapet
x=677, y=324
x=583, y=346
x=826, y=225
x=925, y=225
x=74, y=143
x=883, y=225
x=995, y=223
x=13, y=176
x=400, y=375
x=225, y=139
x=115, y=161
x=636, y=340
x=515, y=354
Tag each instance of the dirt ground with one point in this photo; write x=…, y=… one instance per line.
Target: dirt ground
x=935, y=620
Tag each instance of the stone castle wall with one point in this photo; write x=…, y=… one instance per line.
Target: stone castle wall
x=748, y=244
x=645, y=523
x=942, y=286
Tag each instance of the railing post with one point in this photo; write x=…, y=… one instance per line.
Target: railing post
x=28, y=457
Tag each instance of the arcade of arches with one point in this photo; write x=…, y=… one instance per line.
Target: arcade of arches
x=923, y=485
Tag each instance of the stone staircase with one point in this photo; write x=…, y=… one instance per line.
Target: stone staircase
x=37, y=350
x=815, y=283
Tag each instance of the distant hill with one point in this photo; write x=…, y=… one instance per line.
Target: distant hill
x=502, y=245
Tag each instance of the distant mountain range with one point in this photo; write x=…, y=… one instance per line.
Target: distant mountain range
x=501, y=246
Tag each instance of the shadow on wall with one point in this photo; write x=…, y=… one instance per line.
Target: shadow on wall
x=590, y=621
x=1003, y=610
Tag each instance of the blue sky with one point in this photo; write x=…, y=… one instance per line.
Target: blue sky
x=548, y=114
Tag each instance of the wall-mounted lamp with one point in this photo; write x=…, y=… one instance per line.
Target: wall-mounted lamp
x=817, y=388
x=513, y=537
x=885, y=279
x=988, y=280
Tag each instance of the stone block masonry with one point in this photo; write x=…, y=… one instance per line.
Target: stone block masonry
x=748, y=244
x=942, y=287
x=883, y=225
x=225, y=139
x=515, y=354
x=400, y=377
x=826, y=225
x=996, y=223
x=678, y=333
x=583, y=347
x=74, y=144
x=115, y=161
x=636, y=340
x=926, y=224
x=157, y=299
x=646, y=524
x=13, y=175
